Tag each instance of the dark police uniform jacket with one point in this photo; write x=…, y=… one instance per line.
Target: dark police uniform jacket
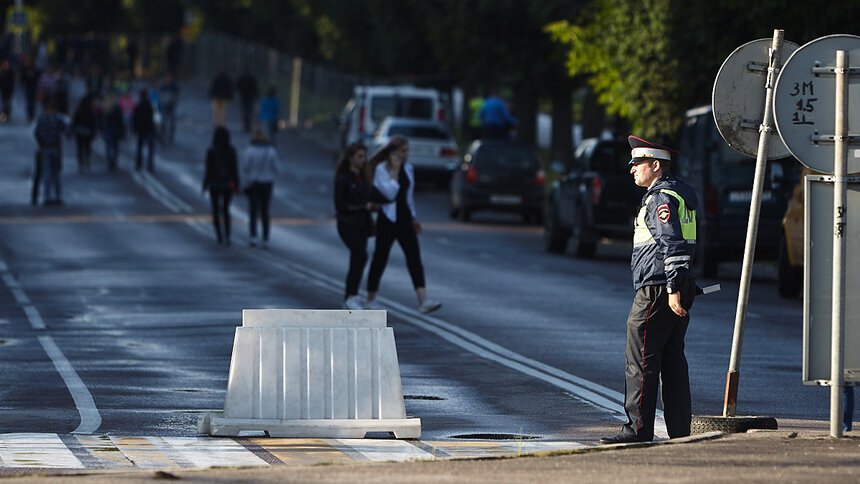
x=664, y=237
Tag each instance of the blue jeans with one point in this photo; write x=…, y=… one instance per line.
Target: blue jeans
x=51, y=167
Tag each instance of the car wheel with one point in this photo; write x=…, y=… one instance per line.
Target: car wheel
x=583, y=247
x=789, y=278
x=554, y=241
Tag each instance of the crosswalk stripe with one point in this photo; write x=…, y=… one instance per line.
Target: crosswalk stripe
x=301, y=451
x=103, y=449
x=382, y=450
x=36, y=450
x=143, y=453
x=68, y=451
x=213, y=452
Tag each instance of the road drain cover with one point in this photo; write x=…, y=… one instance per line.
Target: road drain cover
x=495, y=437
x=421, y=397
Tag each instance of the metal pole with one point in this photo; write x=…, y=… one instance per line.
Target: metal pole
x=839, y=219
x=731, y=398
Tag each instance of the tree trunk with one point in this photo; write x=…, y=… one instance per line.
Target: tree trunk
x=525, y=110
x=593, y=116
x=561, y=148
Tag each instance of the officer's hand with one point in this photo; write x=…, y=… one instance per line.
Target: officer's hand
x=675, y=304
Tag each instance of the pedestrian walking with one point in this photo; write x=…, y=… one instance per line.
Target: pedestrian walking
x=30, y=80
x=84, y=127
x=221, y=91
x=50, y=128
x=248, y=93
x=114, y=131
x=394, y=179
x=61, y=90
x=7, y=89
x=270, y=113
x=354, y=223
x=664, y=241
x=258, y=168
x=222, y=180
x=169, y=96
x=144, y=126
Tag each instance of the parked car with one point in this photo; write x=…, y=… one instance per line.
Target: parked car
x=370, y=105
x=432, y=147
x=498, y=175
x=723, y=180
x=594, y=197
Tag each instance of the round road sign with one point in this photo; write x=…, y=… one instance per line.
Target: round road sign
x=738, y=98
x=804, y=102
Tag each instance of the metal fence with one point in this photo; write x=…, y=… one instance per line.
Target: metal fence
x=312, y=95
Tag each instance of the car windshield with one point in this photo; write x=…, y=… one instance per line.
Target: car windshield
x=506, y=158
x=405, y=107
x=611, y=158
x=418, y=131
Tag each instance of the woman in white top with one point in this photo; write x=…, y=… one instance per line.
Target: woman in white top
x=394, y=179
x=258, y=168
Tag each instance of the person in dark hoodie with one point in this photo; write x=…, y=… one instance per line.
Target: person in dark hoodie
x=222, y=180
x=664, y=242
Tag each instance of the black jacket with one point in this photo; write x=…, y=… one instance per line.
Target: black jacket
x=350, y=200
x=222, y=169
x=141, y=119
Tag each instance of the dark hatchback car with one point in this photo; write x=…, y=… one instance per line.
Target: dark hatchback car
x=498, y=175
x=723, y=180
x=594, y=198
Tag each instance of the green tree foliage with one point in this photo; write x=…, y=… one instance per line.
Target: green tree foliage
x=650, y=60
x=624, y=49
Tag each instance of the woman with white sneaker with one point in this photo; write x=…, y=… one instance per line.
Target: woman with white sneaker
x=394, y=178
x=353, y=208
x=258, y=168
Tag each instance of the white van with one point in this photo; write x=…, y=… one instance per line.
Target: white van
x=371, y=104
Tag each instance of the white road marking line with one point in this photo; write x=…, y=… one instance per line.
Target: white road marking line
x=383, y=450
x=208, y=452
x=34, y=317
x=36, y=450
x=90, y=417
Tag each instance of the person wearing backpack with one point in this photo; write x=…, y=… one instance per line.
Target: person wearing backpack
x=222, y=180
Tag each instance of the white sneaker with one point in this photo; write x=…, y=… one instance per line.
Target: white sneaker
x=429, y=306
x=374, y=304
x=353, y=302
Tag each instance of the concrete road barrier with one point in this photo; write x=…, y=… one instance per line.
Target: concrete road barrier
x=313, y=373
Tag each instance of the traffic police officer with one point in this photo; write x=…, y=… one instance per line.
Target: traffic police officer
x=664, y=241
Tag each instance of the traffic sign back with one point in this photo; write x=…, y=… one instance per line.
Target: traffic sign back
x=805, y=99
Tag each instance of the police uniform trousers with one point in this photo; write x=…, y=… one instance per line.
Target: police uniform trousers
x=655, y=351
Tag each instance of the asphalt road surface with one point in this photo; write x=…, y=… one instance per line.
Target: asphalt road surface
x=117, y=309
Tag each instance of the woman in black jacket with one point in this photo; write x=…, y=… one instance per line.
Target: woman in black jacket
x=222, y=180
x=353, y=205
x=84, y=126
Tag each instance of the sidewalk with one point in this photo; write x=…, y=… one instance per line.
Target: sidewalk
x=766, y=456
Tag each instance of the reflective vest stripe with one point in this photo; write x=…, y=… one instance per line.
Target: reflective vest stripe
x=642, y=236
